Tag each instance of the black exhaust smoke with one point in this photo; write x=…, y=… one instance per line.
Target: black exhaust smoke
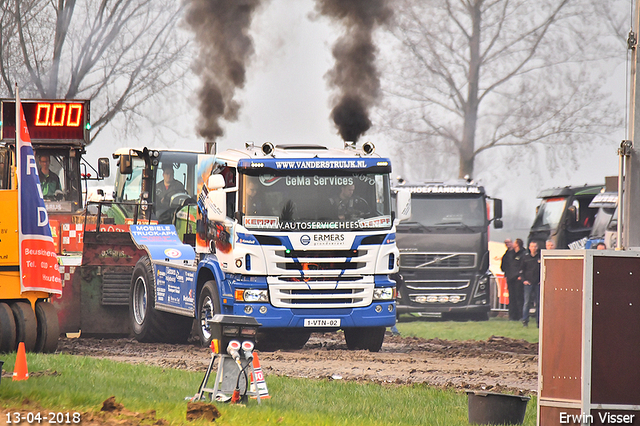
x=355, y=75
x=225, y=47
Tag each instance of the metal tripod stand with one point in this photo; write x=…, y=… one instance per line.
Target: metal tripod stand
x=229, y=373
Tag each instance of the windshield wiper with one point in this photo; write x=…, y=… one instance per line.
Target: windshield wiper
x=456, y=223
x=412, y=225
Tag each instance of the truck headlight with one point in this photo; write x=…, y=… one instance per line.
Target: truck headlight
x=483, y=287
x=252, y=296
x=383, y=293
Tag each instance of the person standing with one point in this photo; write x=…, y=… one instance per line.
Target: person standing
x=531, y=283
x=511, y=266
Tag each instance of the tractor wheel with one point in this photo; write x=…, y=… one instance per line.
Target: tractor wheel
x=26, y=325
x=369, y=338
x=208, y=306
x=48, y=328
x=7, y=329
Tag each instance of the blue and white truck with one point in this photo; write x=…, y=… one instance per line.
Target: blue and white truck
x=267, y=232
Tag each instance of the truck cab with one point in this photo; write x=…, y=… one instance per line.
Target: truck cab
x=308, y=244
x=564, y=216
x=606, y=203
x=444, y=255
x=140, y=190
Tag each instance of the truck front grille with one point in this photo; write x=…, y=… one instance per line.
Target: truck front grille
x=320, y=294
x=438, y=260
x=324, y=261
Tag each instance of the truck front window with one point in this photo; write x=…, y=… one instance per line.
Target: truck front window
x=550, y=213
x=442, y=210
x=316, y=202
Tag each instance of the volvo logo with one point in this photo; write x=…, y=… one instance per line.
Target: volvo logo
x=305, y=240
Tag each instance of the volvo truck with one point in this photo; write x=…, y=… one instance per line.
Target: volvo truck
x=444, y=250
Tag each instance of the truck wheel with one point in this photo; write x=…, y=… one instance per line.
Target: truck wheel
x=480, y=316
x=208, y=306
x=48, y=328
x=7, y=329
x=26, y=325
x=296, y=340
x=148, y=324
x=370, y=338
x=269, y=341
x=143, y=314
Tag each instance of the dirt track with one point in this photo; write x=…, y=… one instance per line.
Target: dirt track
x=498, y=364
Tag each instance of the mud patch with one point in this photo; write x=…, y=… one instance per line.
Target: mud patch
x=499, y=364
x=111, y=413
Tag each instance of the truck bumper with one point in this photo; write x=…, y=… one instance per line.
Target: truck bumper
x=437, y=311
x=378, y=314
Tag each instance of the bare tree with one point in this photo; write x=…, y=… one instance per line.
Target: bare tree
x=118, y=53
x=475, y=75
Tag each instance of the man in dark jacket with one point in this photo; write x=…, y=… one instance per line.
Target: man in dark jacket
x=512, y=266
x=531, y=282
x=165, y=189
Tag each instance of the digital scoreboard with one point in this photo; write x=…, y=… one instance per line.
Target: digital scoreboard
x=48, y=120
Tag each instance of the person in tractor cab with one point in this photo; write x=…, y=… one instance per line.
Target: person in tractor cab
x=167, y=188
x=49, y=181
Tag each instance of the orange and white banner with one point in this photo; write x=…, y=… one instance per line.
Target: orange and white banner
x=38, y=260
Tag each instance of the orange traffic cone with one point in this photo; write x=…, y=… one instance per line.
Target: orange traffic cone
x=20, y=371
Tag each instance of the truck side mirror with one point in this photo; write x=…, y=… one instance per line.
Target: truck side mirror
x=215, y=182
x=497, y=208
x=497, y=223
x=403, y=204
x=103, y=167
x=126, y=168
x=216, y=201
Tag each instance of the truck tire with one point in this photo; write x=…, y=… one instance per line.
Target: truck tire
x=296, y=339
x=7, y=329
x=369, y=338
x=208, y=306
x=48, y=328
x=26, y=325
x=269, y=341
x=148, y=324
x=480, y=316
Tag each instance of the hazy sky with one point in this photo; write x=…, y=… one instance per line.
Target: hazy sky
x=286, y=100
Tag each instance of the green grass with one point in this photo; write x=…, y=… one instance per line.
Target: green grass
x=82, y=384
x=468, y=330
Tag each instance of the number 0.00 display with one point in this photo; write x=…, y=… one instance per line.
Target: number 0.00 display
x=69, y=115
x=48, y=120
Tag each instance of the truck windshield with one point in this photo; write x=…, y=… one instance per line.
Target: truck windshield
x=445, y=210
x=173, y=183
x=315, y=201
x=550, y=213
